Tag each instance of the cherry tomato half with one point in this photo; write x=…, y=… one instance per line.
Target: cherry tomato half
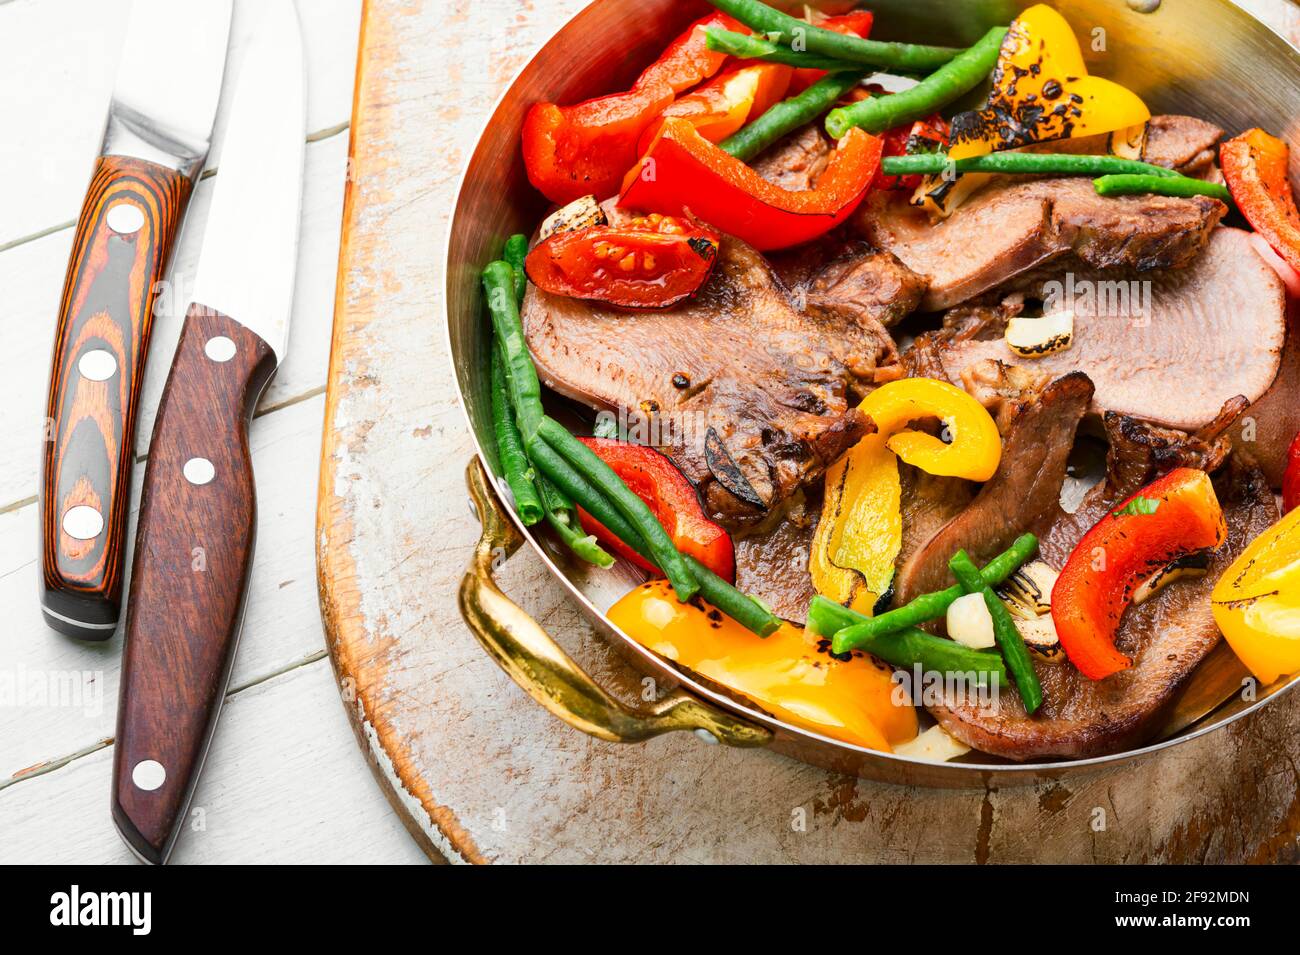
x=651, y=262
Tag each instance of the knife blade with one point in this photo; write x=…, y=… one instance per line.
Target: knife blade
x=155, y=141
x=198, y=509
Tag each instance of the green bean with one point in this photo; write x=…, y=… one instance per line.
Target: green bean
x=737, y=605
x=510, y=448
x=742, y=608
x=789, y=115
x=933, y=605
x=521, y=376
x=1008, y=638
x=761, y=18
x=907, y=647
x=748, y=47
x=1017, y=163
x=603, y=477
x=937, y=90
x=569, y=531
x=1160, y=186
x=515, y=252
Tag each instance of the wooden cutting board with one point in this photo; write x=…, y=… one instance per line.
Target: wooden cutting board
x=476, y=770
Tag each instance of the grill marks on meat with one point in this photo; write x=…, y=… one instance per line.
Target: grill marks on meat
x=1167, y=636
x=1038, y=427
x=775, y=385
x=1011, y=227
x=1213, y=331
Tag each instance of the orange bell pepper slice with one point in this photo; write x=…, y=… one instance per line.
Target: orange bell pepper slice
x=685, y=173
x=1255, y=168
x=725, y=103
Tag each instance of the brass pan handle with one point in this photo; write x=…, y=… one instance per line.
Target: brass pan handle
x=537, y=663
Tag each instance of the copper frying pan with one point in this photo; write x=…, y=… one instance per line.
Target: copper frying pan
x=1202, y=57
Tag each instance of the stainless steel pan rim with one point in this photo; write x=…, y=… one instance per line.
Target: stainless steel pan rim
x=957, y=774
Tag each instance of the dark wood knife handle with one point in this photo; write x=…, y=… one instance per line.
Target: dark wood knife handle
x=124, y=234
x=193, y=552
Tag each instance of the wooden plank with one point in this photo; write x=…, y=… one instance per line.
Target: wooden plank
x=75, y=78
x=482, y=774
x=281, y=627
x=32, y=275
x=283, y=784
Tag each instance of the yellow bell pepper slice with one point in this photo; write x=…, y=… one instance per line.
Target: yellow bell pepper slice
x=975, y=448
x=860, y=531
x=1256, y=602
x=1042, y=91
x=790, y=674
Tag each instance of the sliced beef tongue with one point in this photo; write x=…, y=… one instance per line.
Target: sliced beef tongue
x=1038, y=421
x=751, y=397
x=1169, y=347
x=1184, y=143
x=841, y=277
x=1166, y=637
x=1011, y=227
x=795, y=162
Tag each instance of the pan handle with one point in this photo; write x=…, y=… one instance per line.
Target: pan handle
x=533, y=660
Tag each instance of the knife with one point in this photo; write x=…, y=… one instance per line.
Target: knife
x=198, y=509
x=155, y=141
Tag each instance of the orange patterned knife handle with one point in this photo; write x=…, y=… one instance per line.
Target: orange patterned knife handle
x=124, y=234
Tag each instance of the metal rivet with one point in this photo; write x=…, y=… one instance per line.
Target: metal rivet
x=97, y=365
x=148, y=775
x=219, y=348
x=124, y=218
x=82, y=522
x=199, y=471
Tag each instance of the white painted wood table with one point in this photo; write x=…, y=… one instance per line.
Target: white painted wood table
x=284, y=780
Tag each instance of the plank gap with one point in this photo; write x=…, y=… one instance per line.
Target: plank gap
x=59, y=762
x=318, y=136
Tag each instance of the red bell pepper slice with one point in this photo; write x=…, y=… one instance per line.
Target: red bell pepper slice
x=584, y=149
x=650, y=262
x=672, y=499
x=1122, y=550
x=924, y=135
x=685, y=173
x=725, y=103
x=1291, y=478
x=1255, y=169
x=857, y=23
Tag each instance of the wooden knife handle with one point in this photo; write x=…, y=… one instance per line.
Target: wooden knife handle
x=126, y=229
x=193, y=551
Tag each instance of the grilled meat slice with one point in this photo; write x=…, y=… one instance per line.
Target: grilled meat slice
x=750, y=397
x=842, y=277
x=1271, y=423
x=1166, y=637
x=795, y=162
x=1038, y=425
x=1208, y=333
x=772, y=562
x=1011, y=227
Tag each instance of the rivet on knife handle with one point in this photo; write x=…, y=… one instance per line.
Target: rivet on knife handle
x=193, y=552
x=126, y=229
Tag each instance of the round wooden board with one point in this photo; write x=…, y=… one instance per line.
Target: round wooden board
x=476, y=770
